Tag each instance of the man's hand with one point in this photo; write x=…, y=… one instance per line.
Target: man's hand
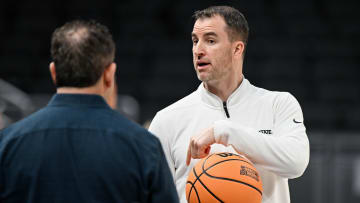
x=199, y=146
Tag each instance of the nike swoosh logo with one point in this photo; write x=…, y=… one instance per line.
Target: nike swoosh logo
x=296, y=121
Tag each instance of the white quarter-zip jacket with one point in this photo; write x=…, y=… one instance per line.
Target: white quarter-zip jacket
x=265, y=126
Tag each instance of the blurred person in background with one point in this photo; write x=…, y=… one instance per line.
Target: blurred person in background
x=2, y=107
x=15, y=104
x=1, y=121
x=229, y=114
x=77, y=148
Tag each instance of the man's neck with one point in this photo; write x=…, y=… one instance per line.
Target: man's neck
x=75, y=90
x=225, y=88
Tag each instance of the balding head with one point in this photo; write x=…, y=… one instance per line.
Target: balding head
x=81, y=51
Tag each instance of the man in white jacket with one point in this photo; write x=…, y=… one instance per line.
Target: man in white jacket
x=228, y=114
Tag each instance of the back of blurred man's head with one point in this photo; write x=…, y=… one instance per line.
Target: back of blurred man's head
x=81, y=50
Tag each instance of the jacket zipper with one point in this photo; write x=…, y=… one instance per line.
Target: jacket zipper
x=226, y=110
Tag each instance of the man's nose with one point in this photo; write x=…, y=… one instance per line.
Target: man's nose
x=199, y=50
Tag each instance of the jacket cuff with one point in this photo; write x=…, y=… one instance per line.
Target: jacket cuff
x=220, y=132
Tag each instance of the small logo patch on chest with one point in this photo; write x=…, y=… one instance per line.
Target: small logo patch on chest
x=267, y=132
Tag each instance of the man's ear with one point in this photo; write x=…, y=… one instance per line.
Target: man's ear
x=109, y=75
x=53, y=72
x=239, y=48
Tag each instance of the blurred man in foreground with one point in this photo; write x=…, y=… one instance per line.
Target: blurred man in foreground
x=77, y=149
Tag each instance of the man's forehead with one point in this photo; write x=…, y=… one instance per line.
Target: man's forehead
x=208, y=25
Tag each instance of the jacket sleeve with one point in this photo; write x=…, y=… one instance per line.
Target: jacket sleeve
x=159, y=129
x=162, y=186
x=285, y=153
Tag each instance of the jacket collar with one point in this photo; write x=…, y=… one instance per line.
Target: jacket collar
x=78, y=100
x=235, y=98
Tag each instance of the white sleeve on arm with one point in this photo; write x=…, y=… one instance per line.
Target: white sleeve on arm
x=158, y=127
x=285, y=153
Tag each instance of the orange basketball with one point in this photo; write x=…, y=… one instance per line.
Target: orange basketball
x=224, y=177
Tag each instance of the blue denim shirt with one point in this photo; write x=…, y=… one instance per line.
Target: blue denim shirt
x=77, y=149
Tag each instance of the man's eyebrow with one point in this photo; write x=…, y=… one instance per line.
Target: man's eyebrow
x=205, y=35
x=211, y=34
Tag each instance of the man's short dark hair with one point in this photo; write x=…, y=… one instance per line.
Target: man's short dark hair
x=237, y=26
x=81, y=50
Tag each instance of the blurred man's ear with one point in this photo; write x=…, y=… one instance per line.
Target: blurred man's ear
x=53, y=72
x=109, y=85
x=109, y=75
x=239, y=48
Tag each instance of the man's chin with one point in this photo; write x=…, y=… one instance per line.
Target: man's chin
x=203, y=77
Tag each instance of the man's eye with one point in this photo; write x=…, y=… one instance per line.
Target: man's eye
x=195, y=41
x=211, y=41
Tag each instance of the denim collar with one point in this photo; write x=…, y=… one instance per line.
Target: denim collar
x=78, y=100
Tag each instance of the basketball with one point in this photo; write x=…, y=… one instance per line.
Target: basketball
x=224, y=177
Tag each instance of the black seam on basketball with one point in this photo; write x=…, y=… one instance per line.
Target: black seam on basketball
x=197, y=194
x=190, y=189
x=204, y=171
x=197, y=177
x=203, y=166
x=222, y=161
x=233, y=180
x=208, y=189
x=192, y=186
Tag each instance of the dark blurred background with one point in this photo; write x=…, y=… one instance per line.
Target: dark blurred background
x=310, y=48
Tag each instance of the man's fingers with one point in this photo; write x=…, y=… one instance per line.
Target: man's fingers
x=207, y=150
x=188, y=156
x=199, y=146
